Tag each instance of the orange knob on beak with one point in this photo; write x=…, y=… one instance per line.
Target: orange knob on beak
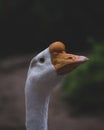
x=62, y=61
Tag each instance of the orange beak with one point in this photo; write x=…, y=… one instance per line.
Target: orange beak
x=62, y=61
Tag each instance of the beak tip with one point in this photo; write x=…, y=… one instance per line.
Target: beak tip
x=83, y=58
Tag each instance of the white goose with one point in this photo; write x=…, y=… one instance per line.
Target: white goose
x=46, y=70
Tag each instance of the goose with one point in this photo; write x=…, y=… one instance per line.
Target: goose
x=47, y=69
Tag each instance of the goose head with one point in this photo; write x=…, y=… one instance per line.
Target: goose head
x=48, y=67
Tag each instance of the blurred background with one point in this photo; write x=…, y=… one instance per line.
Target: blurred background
x=29, y=26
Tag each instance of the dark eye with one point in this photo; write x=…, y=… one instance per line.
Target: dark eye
x=42, y=60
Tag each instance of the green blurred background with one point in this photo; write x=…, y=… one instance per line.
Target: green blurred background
x=84, y=88
x=28, y=26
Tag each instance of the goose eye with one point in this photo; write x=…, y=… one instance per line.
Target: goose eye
x=42, y=60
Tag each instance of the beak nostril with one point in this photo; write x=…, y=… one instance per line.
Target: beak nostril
x=69, y=57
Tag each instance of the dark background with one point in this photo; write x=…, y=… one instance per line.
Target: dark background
x=31, y=25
